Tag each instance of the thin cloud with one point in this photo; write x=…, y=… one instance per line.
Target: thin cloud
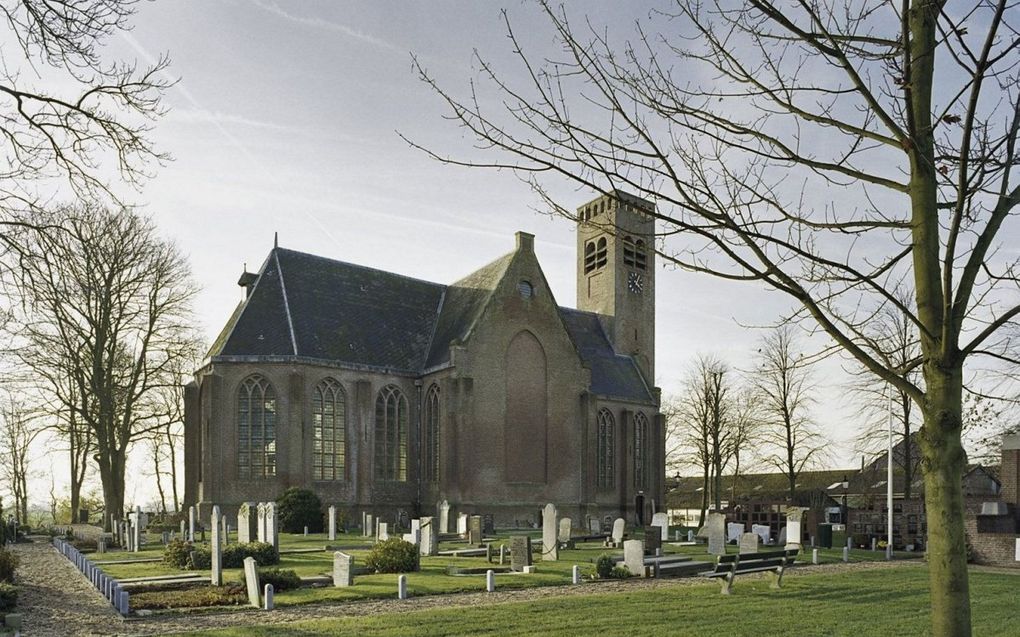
x=319, y=23
x=202, y=116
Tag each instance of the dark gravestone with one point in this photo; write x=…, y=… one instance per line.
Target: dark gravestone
x=653, y=539
x=488, y=524
x=520, y=552
x=475, y=530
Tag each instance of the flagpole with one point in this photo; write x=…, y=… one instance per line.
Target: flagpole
x=889, y=484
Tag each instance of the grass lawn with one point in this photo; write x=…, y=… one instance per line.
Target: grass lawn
x=432, y=579
x=857, y=604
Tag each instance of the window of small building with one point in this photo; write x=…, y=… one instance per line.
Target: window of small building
x=431, y=442
x=329, y=431
x=256, y=428
x=606, y=447
x=391, y=434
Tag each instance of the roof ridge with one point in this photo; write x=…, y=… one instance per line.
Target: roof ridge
x=363, y=267
x=508, y=256
x=286, y=304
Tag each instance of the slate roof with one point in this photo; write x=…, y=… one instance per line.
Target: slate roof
x=309, y=306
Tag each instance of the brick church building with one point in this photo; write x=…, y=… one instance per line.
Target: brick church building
x=385, y=393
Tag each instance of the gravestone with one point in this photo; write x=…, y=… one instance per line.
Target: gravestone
x=184, y=536
x=550, y=548
x=715, y=528
x=343, y=569
x=369, y=525
x=763, y=531
x=384, y=531
x=733, y=532
x=488, y=524
x=594, y=526
x=565, y=530
x=444, y=518
x=251, y=580
x=247, y=523
x=261, y=525
x=794, y=515
x=520, y=552
x=268, y=596
x=653, y=539
x=416, y=525
x=462, y=522
x=191, y=523
x=429, y=537
x=661, y=520
x=475, y=530
x=225, y=530
x=619, y=527
x=272, y=526
x=782, y=537
x=749, y=543
x=216, y=548
x=634, y=557
x=332, y=522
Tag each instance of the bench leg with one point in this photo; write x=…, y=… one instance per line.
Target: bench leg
x=776, y=577
x=727, y=583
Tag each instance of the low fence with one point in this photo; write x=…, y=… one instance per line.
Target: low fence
x=109, y=587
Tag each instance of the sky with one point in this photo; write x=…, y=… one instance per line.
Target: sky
x=285, y=119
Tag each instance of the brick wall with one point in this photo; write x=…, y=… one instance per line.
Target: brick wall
x=998, y=549
x=1011, y=469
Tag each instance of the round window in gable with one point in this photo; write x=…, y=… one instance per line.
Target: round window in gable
x=526, y=290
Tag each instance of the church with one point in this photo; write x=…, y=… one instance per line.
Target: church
x=387, y=394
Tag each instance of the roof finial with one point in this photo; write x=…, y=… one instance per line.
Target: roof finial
x=276, y=240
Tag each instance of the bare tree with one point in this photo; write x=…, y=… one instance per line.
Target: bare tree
x=782, y=379
x=745, y=431
x=827, y=150
x=17, y=432
x=107, y=306
x=64, y=137
x=897, y=344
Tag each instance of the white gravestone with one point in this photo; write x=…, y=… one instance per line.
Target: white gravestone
x=550, y=548
x=444, y=518
x=272, y=526
x=369, y=525
x=261, y=527
x=565, y=530
x=619, y=528
x=661, y=520
x=793, y=529
x=733, y=531
x=191, y=523
x=384, y=531
x=716, y=531
x=1017, y=556
x=594, y=526
x=343, y=569
x=429, y=540
x=462, y=524
x=332, y=523
x=251, y=580
x=762, y=531
x=634, y=557
x=216, y=547
x=749, y=543
x=247, y=523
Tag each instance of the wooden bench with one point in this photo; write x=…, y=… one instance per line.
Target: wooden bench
x=727, y=567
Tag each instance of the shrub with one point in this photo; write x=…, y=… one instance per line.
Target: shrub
x=233, y=556
x=176, y=553
x=618, y=572
x=230, y=595
x=8, y=596
x=604, y=566
x=393, y=556
x=8, y=562
x=298, y=508
x=282, y=580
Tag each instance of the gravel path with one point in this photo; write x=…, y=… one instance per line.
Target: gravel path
x=57, y=600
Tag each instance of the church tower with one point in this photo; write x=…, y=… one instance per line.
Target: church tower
x=616, y=273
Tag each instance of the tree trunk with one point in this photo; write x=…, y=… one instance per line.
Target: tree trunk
x=704, y=498
x=943, y=463
x=111, y=472
x=173, y=469
x=159, y=480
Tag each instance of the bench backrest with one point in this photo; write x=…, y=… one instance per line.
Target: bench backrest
x=747, y=561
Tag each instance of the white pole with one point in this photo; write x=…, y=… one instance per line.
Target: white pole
x=889, y=484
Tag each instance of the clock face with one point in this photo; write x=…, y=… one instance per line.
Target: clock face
x=635, y=282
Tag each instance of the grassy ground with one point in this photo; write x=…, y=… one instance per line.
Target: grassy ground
x=856, y=604
x=432, y=579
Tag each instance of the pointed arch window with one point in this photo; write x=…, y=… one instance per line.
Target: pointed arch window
x=600, y=253
x=391, y=434
x=606, y=448
x=431, y=434
x=256, y=428
x=589, y=257
x=640, y=451
x=640, y=255
x=329, y=431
